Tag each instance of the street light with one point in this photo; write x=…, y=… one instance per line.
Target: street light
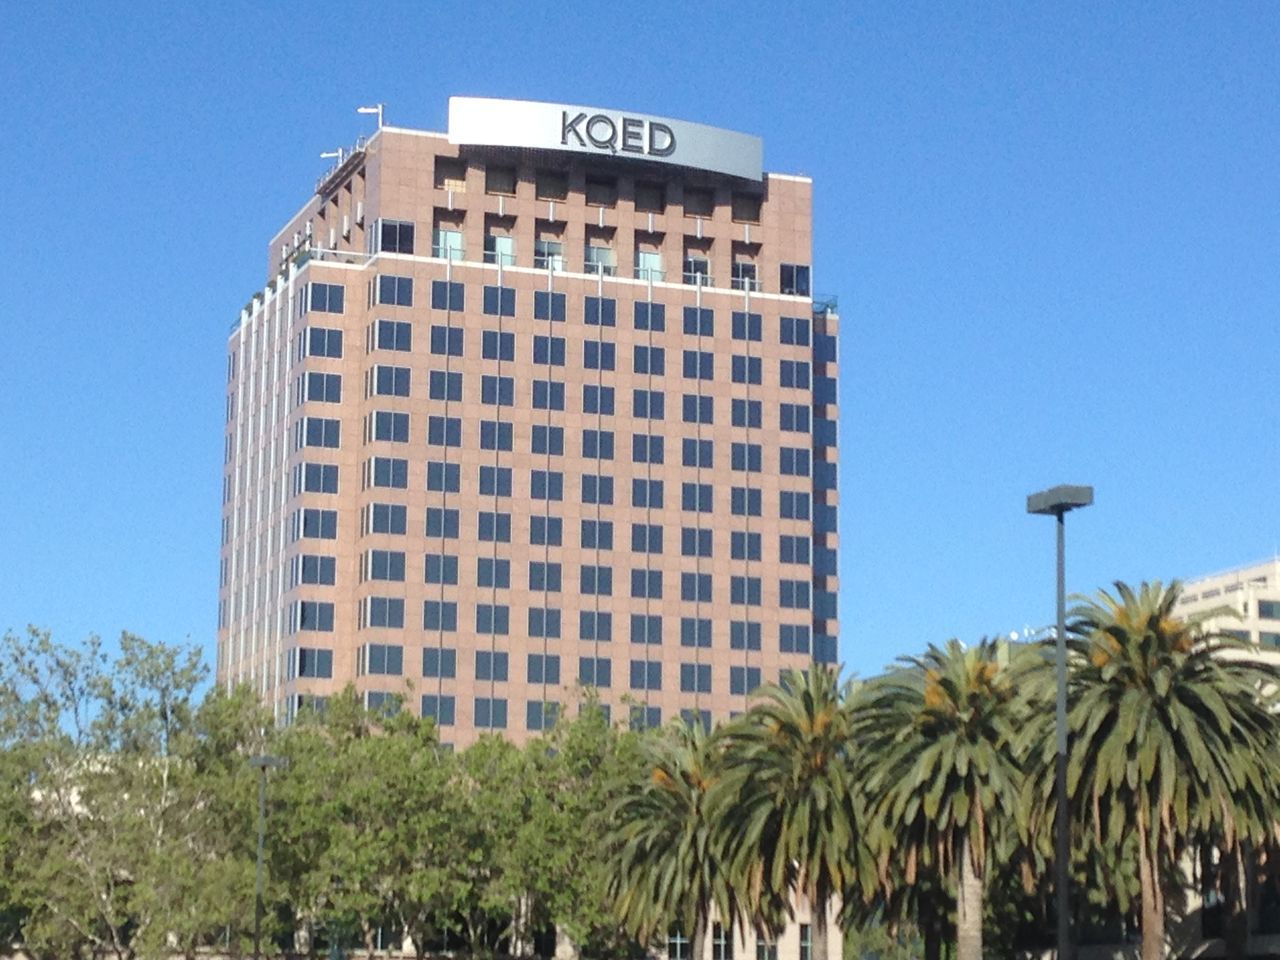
x=1056, y=502
x=262, y=763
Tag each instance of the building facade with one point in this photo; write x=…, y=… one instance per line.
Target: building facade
x=1249, y=601
x=540, y=405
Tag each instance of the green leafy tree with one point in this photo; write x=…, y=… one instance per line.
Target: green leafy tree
x=787, y=809
x=943, y=739
x=1174, y=735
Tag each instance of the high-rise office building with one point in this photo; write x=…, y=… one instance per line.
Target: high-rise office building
x=541, y=404
x=1244, y=602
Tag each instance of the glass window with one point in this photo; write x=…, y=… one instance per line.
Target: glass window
x=546, y=531
x=314, y=568
x=548, y=306
x=645, y=718
x=494, y=527
x=497, y=391
x=548, y=395
x=597, y=534
x=324, y=342
x=396, y=236
x=650, y=360
x=443, y=477
x=696, y=453
x=597, y=444
x=744, y=502
x=546, y=485
x=390, y=381
x=597, y=488
x=441, y=568
x=496, y=435
x=393, y=335
x=699, y=321
x=794, y=331
x=793, y=549
x=696, y=497
x=439, y=708
x=699, y=365
x=646, y=538
x=493, y=618
x=648, y=404
x=544, y=668
x=446, y=341
x=548, y=254
x=493, y=572
x=444, y=385
x=596, y=626
x=319, y=524
x=500, y=301
x=394, y=291
x=794, y=461
x=793, y=637
x=544, y=623
x=745, y=457
x=381, y=659
x=442, y=522
x=496, y=345
x=743, y=680
x=744, y=369
x=391, y=426
x=324, y=387
x=595, y=672
x=598, y=355
x=698, y=409
x=440, y=662
x=440, y=615
x=444, y=431
x=744, y=635
x=597, y=399
x=646, y=629
x=314, y=663
x=446, y=294
x=695, y=587
x=383, y=612
x=794, y=417
x=327, y=297
x=500, y=249
x=388, y=518
x=695, y=542
x=548, y=350
x=320, y=432
x=794, y=279
x=384, y=565
x=600, y=311
x=540, y=715
x=794, y=504
x=544, y=575
x=646, y=448
x=794, y=373
x=747, y=326
x=599, y=259
x=744, y=591
x=695, y=632
x=447, y=245
x=491, y=713
x=647, y=493
x=646, y=675
x=495, y=481
x=317, y=478
x=650, y=316
x=646, y=584
x=596, y=580
x=695, y=678
x=548, y=439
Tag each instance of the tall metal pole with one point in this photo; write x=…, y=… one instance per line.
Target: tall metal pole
x=262, y=839
x=1056, y=502
x=1063, y=824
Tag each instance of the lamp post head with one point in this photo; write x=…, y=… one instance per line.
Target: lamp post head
x=1058, y=500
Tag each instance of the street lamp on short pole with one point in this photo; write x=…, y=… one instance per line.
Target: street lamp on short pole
x=262, y=763
x=1057, y=502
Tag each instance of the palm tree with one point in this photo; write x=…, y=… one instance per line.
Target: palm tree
x=943, y=741
x=1174, y=734
x=664, y=869
x=786, y=810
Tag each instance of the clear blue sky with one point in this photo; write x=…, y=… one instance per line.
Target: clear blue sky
x=1054, y=230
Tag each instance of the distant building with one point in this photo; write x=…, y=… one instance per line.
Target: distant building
x=538, y=404
x=1252, y=593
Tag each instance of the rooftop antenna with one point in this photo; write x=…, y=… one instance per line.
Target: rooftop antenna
x=375, y=108
x=339, y=154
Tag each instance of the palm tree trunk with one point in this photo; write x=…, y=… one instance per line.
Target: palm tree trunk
x=930, y=928
x=696, y=938
x=1235, y=921
x=1152, y=895
x=968, y=906
x=821, y=932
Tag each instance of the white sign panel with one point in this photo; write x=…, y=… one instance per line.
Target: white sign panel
x=482, y=121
